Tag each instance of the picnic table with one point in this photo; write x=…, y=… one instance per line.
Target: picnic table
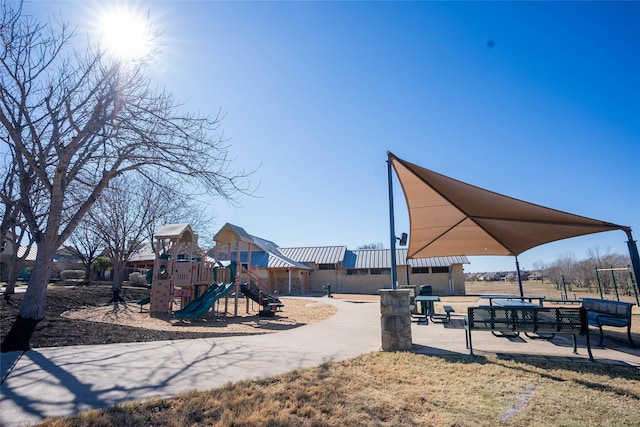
x=526, y=314
x=530, y=298
x=426, y=303
x=514, y=303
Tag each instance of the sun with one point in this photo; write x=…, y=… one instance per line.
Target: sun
x=125, y=32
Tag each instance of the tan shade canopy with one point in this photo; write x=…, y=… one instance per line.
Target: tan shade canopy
x=449, y=217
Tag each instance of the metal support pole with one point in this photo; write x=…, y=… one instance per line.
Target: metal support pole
x=634, y=285
x=633, y=254
x=599, y=285
x=519, y=278
x=394, y=272
x=615, y=284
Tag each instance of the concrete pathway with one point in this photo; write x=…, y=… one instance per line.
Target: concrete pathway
x=449, y=338
x=60, y=381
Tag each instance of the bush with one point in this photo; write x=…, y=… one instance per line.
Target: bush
x=137, y=279
x=72, y=274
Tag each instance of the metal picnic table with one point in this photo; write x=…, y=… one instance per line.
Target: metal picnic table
x=426, y=303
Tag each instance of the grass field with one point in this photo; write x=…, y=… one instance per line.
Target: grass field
x=402, y=389
x=406, y=389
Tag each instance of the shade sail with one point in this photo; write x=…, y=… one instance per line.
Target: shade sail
x=449, y=218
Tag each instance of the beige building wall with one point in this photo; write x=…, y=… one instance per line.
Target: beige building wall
x=341, y=282
x=319, y=278
x=279, y=280
x=370, y=284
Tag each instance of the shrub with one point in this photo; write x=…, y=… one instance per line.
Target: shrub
x=72, y=274
x=137, y=279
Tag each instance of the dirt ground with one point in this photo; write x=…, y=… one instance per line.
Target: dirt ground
x=81, y=315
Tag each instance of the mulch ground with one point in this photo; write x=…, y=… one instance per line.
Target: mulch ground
x=55, y=330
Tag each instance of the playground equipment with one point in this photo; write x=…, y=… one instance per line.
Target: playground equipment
x=177, y=275
x=195, y=284
x=253, y=287
x=632, y=282
x=201, y=306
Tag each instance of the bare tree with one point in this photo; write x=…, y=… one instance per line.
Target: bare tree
x=127, y=214
x=371, y=246
x=539, y=267
x=77, y=121
x=562, y=270
x=13, y=228
x=87, y=245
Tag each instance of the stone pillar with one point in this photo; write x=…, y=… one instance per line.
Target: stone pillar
x=395, y=319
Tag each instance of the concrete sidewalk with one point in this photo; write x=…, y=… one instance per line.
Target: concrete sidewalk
x=56, y=382
x=449, y=338
x=60, y=381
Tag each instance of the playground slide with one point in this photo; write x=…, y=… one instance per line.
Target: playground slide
x=253, y=292
x=200, y=306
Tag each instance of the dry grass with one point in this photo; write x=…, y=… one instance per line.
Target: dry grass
x=393, y=389
x=405, y=389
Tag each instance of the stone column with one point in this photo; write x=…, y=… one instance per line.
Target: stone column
x=395, y=319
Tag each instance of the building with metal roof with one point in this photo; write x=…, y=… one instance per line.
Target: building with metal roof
x=311, y=269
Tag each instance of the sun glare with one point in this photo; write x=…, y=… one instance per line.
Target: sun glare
x=125, y=33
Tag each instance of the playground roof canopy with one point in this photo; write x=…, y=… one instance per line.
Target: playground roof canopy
x=449, y=218
x=182, y=232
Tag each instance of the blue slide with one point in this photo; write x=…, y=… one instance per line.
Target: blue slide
x=200, y=306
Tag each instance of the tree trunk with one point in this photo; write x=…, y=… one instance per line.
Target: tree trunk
x=34, y=303
x=35, y=299
x=118, y=273
x=12, y=278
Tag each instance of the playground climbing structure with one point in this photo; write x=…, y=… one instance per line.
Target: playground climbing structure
x=177, y=274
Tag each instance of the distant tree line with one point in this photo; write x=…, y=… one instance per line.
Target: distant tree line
x=599, y=272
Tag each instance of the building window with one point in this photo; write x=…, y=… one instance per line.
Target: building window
x=435, y=270
x=380, y=271
x=326, y=266
x=357, y=272
x=420, y=270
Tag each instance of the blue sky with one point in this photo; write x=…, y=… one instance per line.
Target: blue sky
x=539, y=101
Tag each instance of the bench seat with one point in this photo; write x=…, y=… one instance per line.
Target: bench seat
x=443, y=317
x=608, y=313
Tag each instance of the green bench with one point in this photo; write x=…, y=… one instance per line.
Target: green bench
x=608, y=313
x=529, y=320
x=443, y=317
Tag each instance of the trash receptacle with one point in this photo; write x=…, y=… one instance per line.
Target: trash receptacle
x=426, y=290
x=328, y=289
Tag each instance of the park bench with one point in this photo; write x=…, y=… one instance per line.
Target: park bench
x=608, y=313
x=443, y=317
x=529, y=320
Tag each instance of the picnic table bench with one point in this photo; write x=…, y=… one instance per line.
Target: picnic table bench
x=530, y=320
x=608, y=313
x=443, y=317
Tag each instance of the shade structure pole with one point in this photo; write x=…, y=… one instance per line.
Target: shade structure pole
x=519, y=278
x=394, y=271
x=633, y=254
